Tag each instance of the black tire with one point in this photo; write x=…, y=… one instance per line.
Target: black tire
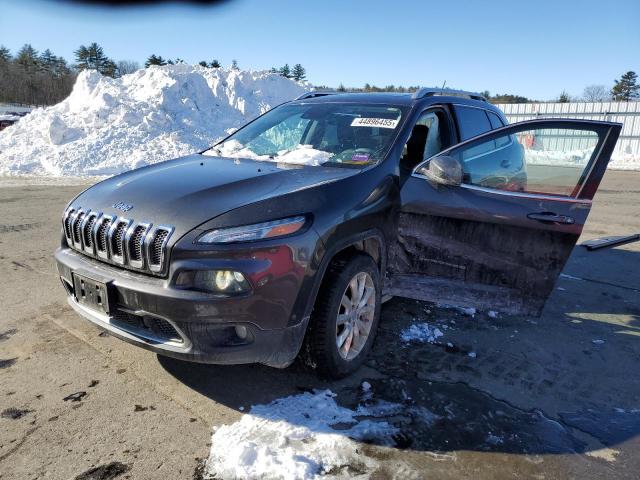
x=320, y=340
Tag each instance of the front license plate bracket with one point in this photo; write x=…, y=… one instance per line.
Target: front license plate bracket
x=91, y=293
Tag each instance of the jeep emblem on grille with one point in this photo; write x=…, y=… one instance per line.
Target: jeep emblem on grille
x=125, y=207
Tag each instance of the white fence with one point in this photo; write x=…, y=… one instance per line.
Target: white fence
x=627, y=152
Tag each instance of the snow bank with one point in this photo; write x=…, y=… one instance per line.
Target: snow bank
x=293, y=438
x=107, y=126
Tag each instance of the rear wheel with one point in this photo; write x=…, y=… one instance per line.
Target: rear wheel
x=345, y=317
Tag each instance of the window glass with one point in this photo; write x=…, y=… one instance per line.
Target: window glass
x=544, y=161
x=471, y=121
x=316, y=134
x=428, y=138
x=495, y=120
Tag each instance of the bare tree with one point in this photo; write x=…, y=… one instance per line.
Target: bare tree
x=127, y=66
x=596, y=93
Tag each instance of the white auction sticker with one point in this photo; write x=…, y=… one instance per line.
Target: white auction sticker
x=375, y=122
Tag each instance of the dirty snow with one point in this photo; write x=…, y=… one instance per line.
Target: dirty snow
x=293, y=438
x=107, y=126
x=420, y=332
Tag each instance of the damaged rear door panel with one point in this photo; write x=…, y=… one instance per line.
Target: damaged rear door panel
x=496, y=233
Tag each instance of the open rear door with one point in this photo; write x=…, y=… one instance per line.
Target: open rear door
x=498, y=236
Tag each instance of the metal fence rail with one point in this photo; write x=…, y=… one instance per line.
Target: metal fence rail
x=627, y=113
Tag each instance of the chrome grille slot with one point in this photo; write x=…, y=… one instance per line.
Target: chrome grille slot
x=117, y=240
x=101, y=237
x=67, y=221
x=87, y=232
x=135, y=244
x=77, y=223
x=156, y=247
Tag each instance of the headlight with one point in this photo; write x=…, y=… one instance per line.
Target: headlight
x=213, y=281
x=257, y=231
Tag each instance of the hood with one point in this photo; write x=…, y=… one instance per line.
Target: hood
x=188, y=191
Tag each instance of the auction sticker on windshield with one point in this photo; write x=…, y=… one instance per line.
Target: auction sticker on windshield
x=375, y=122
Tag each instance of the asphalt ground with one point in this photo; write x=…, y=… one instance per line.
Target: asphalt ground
x=551, y=397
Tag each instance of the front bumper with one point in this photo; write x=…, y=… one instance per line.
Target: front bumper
x=196, y=326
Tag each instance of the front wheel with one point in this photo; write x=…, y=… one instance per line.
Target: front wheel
x=345, y=317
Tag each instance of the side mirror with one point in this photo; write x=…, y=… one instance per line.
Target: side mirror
x=442, y=170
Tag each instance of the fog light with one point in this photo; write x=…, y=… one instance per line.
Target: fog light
x=214, y=281
x=241, y=332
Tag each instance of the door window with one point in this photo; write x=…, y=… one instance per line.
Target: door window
x=429, y=136
x=471, y=121
x=542, y=161
x=495, y=120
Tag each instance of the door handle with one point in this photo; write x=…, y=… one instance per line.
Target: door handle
x=550, y=217
x=506, y=163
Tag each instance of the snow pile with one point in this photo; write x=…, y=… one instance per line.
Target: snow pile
x=293, y=438
x=421, y=332
x=107, y=126
x=625, y=161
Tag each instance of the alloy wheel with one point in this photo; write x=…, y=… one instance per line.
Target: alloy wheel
x=355, y=316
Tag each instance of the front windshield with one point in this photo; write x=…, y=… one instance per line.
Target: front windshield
x=316, y=134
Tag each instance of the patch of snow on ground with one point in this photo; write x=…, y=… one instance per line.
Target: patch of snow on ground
x=293, y=438
x=420, y=332
x=107, y=126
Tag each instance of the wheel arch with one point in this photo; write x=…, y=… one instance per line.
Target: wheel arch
x=371, y=242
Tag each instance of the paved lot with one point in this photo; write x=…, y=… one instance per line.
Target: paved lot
x=540, y=399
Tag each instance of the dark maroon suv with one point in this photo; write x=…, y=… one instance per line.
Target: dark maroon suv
x=286, y=236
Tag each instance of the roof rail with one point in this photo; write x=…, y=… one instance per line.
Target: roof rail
x=431, y=92
x=316, y=93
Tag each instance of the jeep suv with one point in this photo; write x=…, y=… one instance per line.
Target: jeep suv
x=285, y=237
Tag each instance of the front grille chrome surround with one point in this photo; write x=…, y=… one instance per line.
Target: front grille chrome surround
x=156, y=247
x=88, y=243
x=121, y=241
x=116, y=238
x=76, y=227
x=134, y=240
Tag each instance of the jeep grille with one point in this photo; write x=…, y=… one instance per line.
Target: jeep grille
x=135, y=245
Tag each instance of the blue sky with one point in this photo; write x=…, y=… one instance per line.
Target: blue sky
x=535, y=48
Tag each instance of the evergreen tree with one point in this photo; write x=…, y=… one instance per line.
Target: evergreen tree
x=27, y=57
x=273, y=70
x=155, y=60
x=93, y=58
x=298, y=72
x=60, y=68
x=202, y=63
x=564, y=97
x=626, y=88
x=285, y=71
x=5, y=55
x=341, y=88
x=215, y=64
x=234, y=65
x=48, y=61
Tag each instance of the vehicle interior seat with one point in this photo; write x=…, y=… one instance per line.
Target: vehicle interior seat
x=415, y=147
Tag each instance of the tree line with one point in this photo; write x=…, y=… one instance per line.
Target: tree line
x=34, y=78
x=625, y=89
x=43, y=78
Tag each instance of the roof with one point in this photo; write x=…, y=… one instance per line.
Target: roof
x=397, y=99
